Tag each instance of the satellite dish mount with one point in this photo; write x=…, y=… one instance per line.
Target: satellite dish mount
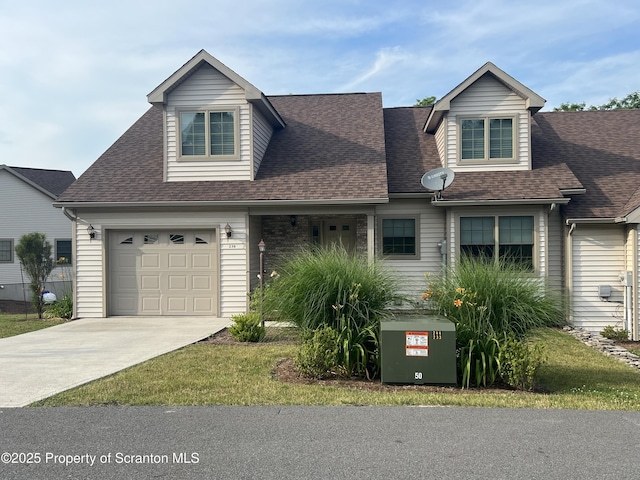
x=437, y=180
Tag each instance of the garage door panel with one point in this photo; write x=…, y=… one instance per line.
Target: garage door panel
x=150, y=260
x=126, y=260
x=201, y=282
x=202, y=305
x=162, y=272
x=126, y=282
x=200, y=260
x=177, y=282
x=150, y=282
x=177, y=305
x=177, y=260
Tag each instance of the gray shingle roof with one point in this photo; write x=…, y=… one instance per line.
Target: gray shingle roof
x=345, y=147
x=411, y=153
x=602, y=148
x=331, y=149
x=53, y=181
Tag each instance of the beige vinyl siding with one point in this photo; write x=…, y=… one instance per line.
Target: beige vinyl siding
x=207, y=88
x=441, y=141
x=555, y=249
x=262, y=132
x=89, y=276
x=489, y=97
x=412, y=271
x=25, y=210
x=255, y=235
x=598, y=256
x=92, y=260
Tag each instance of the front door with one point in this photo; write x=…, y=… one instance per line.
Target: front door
x=339, y=231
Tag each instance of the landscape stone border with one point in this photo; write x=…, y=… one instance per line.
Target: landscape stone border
x=605, y=345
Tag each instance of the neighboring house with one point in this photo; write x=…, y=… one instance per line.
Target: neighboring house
x=26, y=195
x=180, y=202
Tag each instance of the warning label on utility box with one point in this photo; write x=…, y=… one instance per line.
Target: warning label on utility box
x=417, y=344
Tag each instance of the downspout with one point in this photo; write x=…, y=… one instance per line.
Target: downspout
x=74, y=222
x=569, y=271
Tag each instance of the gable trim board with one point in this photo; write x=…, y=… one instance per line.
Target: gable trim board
x=335, y=155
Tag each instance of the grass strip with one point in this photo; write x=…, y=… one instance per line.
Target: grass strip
x=577, y=376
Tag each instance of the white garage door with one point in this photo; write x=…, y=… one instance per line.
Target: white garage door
x=163, y=272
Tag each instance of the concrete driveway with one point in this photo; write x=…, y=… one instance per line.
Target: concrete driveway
x=39, y=364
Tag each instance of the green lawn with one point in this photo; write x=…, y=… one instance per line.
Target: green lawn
x=576, y=376
x=11, y=325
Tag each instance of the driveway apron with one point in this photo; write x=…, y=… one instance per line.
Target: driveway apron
x=39, y=364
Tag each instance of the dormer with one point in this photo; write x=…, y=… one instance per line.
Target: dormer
x=217, y=126
x=484, y=123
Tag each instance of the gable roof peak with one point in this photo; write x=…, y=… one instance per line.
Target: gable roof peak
x=252, y=94
x=533, y=101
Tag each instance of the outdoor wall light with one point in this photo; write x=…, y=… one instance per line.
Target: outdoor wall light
x=91, y=231
x=227, y=230
x=293, y=220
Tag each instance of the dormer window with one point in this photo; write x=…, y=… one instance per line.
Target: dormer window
x=487, y=139
x=209, y=134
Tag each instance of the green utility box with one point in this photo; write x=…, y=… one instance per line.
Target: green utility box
x=418, y=350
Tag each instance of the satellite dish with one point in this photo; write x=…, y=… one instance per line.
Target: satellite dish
x=437, y=180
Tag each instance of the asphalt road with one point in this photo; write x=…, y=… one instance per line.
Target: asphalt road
x=317, y=443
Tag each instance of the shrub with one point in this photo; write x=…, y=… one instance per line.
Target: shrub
x=247, y=327
x=330, y=286
x=519, y=362
x=494, y=305
x=34, y=252
x=615, y=334
x=312, y=282
x=62, y=308
x=507, y=296
x=479, y=360
x=318, y=354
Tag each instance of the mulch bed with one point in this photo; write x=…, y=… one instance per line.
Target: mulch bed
x=285, y=371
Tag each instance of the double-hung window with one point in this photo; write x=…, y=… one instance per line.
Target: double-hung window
x=487, y=139
x=63, y=252
x=209, y=134
x=6, y=250
x=399, y=237
x=508, y=238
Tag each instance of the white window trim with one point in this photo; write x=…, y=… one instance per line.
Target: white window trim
x=416, y=219
x=208, y=156
x=486, y=160
x=496, y=233
x=11, y=250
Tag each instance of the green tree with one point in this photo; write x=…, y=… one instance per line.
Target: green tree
x=426, y=101
x=629, y=102
x=34, y=252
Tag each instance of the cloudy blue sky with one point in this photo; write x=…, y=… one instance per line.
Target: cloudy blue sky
x=74, y=75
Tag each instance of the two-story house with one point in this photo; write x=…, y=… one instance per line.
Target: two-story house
x=168, y=220
x=26, y=196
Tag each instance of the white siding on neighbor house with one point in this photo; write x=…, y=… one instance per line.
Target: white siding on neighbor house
x=92, y=261
x=262, y=132
x=598, y=256
x=207, y=88
x=25, y=210
x=488, y=96
x=412, y=271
